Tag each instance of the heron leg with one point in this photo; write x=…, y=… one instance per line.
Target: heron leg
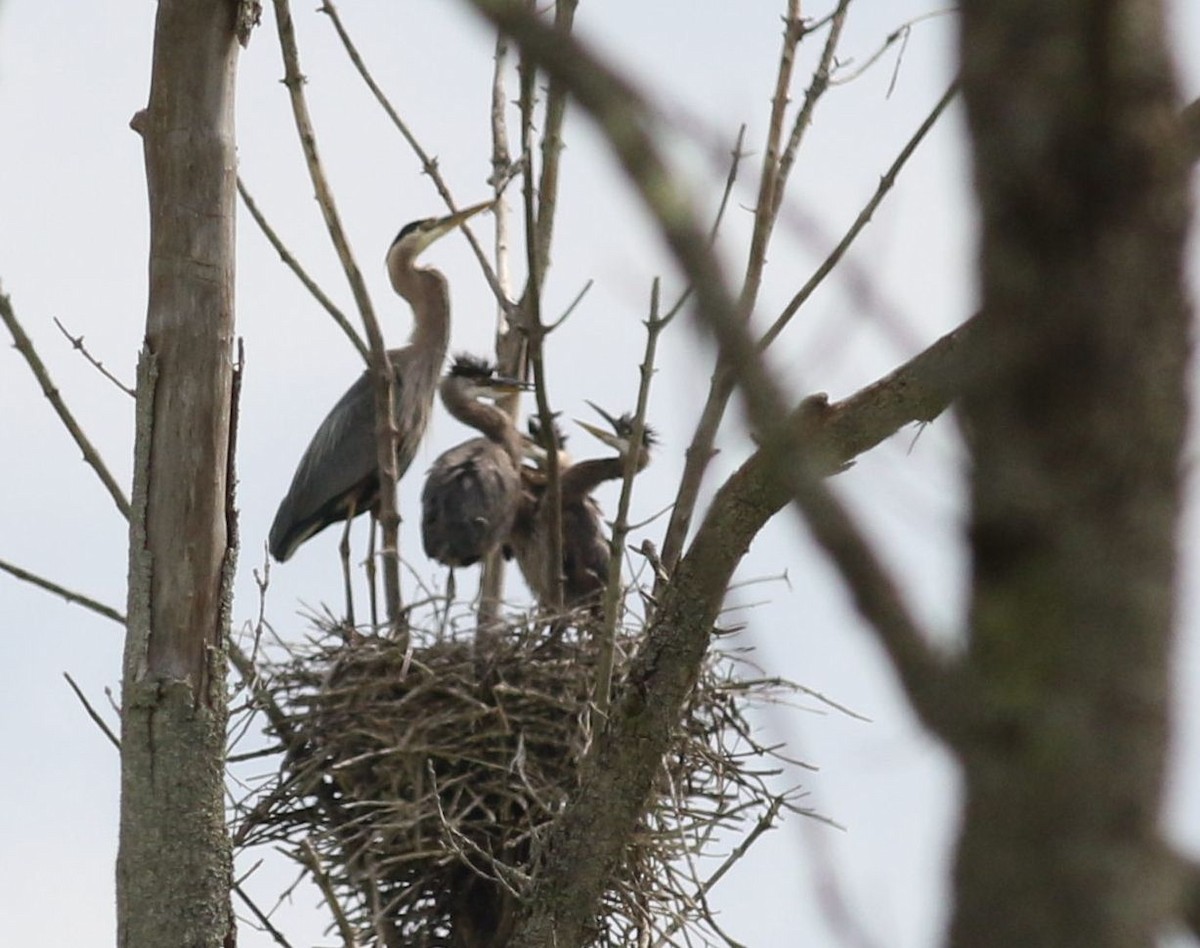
x=344, y=549
x=371, y=591
x=451, y=589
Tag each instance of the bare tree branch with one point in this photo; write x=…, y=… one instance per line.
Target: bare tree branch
x=262, y=917
x=294, y=265
x=508, y=352
x=51, y=587
x=816, y=90
x=77, y=344
x=92, y=712
x=429, y=164
x=655, y=323
x=532, y=337
x=381, y=370
x=772, y=182
x=312, y=860
x=50, y=390
x=864, y=216
x=618, y=772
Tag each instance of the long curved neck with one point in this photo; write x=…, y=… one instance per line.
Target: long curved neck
x=581, y=479
x=490, y=421
x=427, y=293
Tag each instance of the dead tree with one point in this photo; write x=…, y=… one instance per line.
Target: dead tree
x=174, y=865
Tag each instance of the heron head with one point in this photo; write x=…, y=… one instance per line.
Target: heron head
x=474, y=377
x=621, y=436
x=415, y=237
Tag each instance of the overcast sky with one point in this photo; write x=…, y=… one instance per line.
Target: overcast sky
x=73, y=235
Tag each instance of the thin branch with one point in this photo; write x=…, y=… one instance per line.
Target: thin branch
x=571, y=307
x=552, y=145
x=655, y=324
x=77, y=344
x=864, y=216
x=301, y=274
x=899, y=35
x=502, y=167
x=313, y=861
x=619, y=769
x=70, y=595
x=508, y=343
x=429, y=165
x=775, y=172
x=816, y=90
x=736, y=155
x=92, y=713
x=381, y=371
x=90, y=454
x=263, y=920
x=534, y=336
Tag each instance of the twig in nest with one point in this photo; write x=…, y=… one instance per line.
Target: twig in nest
x=425, y=796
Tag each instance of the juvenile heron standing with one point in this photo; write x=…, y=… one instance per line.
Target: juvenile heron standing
x=585, y=553
x=473, y=490
x=338, y=475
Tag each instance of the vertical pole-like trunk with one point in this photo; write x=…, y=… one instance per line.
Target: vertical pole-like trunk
x=1076, y=419
x=173, y=868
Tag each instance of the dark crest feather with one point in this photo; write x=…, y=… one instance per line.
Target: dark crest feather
x=467, y=366
x=409, y=228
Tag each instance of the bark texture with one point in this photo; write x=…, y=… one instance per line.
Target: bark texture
x=1076, y=420
x=173, y=868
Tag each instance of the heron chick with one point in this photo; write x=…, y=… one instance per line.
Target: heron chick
x=585, y=553
x=473, y=490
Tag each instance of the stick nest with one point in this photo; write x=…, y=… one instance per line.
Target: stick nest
x=416, y=788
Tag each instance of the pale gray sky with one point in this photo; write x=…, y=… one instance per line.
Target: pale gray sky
x=73, y=244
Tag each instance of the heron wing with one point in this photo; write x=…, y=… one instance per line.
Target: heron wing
x=338, y=469
x=468, y=503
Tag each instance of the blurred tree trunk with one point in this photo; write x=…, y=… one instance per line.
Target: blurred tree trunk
x=1076, y=416
x=174, y=865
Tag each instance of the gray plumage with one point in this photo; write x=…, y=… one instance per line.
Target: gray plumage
x=473, y=490
x=338, y=475
x=585, y=548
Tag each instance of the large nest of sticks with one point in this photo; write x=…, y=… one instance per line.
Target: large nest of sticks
x=416, y=784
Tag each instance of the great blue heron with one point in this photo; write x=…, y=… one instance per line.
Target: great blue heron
x=585, y=554
x=473, y=490
x=338, y=475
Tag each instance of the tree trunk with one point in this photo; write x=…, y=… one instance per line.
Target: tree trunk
x=174, y=864
x=1076, y=424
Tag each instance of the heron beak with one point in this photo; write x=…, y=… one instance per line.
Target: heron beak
x=504, y=385
x=458, y=218
x=621, y=444
x=442, y=227
x=602, y=413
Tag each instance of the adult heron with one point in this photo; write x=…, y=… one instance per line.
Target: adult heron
x=473, y=490
x=585, y=553
x=338, y=475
